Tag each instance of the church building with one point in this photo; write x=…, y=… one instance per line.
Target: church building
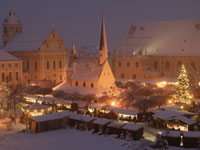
x=89, y=73
x=43, y=57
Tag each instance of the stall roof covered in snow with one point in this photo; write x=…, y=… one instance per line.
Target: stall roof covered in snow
x=53, y=116
x=192, y=134
x=36, y=106
x=169, y=38
x=171, y=133
x=166, y=114
x=87, y=69
x=81, y=118
x=101, y=121
x=183, y=119
x=116, y=124
x=124, y=111
x=131, y=127
x=7, y=57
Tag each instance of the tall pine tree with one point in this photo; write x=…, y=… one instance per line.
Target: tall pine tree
x=182, y=91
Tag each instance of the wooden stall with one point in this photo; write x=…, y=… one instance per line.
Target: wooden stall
x=133, y=131
x=99, y=125
x=115, y=127
x=48, y=122
x=173, y=137
x=36, y=110
x=81, y=122
x=181, y=123
x=191, y=139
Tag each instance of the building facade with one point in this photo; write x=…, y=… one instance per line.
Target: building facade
x=153, y=50
x=43, y=57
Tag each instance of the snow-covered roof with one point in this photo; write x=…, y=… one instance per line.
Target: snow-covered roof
x=166, y=114
x=116, y=124
x=81, y=118
x=66, y=87
x=170, y=38
x=36, y=106
x=171, y=133
x=25, y=42
x=7, y=57
x=87, y=69
x=132, y=127
x=52, y=116
x=124, y=111
x=192, y=134
x=183, y=119
x=101, y=121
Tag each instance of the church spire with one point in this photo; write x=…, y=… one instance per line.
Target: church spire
x=103, y=42
x=103, y=50
x=73, y=50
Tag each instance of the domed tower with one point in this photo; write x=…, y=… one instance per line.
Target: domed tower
x=10, y=27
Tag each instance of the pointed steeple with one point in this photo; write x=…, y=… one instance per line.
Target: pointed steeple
x=103, y=41
x=73, y=50
x=103, y=50
x=73, y=55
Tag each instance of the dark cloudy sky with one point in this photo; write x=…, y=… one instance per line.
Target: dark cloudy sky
x=81, y=19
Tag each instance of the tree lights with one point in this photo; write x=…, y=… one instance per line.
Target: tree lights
x=182, y=92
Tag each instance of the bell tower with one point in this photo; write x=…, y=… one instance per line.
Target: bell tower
x=10, y=27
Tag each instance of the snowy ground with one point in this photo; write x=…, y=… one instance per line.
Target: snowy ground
x=70, y=139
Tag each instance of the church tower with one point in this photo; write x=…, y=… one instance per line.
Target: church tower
x=10, y=27
x=103, y=50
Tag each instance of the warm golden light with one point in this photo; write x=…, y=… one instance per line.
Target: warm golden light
x=191, y=96
x=161, y=84
x=113, y=103
x=170, y=101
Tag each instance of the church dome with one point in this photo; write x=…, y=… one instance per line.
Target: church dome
x=12, y=19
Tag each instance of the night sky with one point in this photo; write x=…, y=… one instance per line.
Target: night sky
x=81, y=19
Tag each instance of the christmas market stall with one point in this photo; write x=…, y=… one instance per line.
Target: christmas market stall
x=162, y=116
x=36, y=110
x=132, y=131
x=115, y=127
x=173, y=137
x=48, y=122
x=81, y=122
x=191, y=139
x=181, y=123
x=99, y=125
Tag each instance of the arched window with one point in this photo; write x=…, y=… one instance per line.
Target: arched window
x=54, y=36
x=3, y=77
x=76, y=83
x=128, y=64
x=119, y=64
x=11, y=29
x=134, y=76
x=47, y=45
x=54, y=65
x=10, y=76
x=178, y=68
x=5, y=30
x=27, y=65
x=167, y=66
x=92, y=85
x=155, y=65
x=122, y=75
x=16, y=76
x=193, y=65
x=48, y=65
x=35, y=65
x=17, y=29
x=60, y=64
x=84, y=84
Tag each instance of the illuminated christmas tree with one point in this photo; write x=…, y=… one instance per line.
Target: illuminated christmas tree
x=182, y=91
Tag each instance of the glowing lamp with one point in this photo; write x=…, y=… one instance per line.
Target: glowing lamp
x=113, y=103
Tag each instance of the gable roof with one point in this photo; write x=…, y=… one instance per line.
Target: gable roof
x=5, y=56
x=87, y=69
x=168, y=38
x=24, y=42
